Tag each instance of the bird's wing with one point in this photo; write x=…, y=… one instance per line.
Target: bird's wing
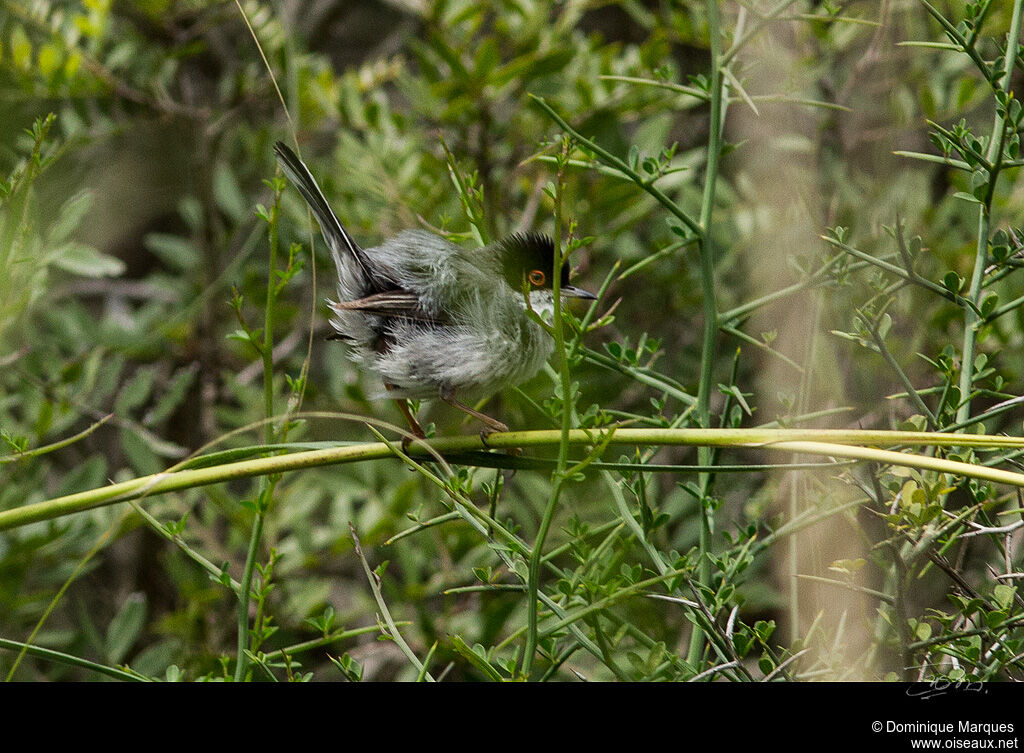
x=397, y=303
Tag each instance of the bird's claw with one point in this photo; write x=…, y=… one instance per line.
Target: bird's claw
x=497, y=428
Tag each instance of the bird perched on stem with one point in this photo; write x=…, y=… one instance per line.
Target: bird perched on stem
x=432, y=319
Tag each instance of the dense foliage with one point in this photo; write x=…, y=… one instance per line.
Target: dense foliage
x=798, y=215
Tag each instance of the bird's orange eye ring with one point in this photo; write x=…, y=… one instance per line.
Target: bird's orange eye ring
x=537, y=277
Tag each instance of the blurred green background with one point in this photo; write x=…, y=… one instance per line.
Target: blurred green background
x=136, y=146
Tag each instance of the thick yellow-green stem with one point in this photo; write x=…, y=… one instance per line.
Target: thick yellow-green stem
x=855, y=444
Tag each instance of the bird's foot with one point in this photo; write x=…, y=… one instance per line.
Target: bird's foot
x=491, y=425
x=497, y=427
x=414, y=425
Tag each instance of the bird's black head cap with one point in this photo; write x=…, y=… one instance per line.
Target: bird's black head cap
x=529, y=257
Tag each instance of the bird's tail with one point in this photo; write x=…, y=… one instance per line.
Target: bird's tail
x=338, y=239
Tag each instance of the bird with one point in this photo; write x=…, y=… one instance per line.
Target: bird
x=434, y=320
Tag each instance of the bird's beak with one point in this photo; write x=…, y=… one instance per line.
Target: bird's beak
x=573, y=292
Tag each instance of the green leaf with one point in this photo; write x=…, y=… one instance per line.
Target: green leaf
x=158, y=658
x=69, y=217
x=952, y=282
x=995, y=618
x=848, y=566
x=173, y=250
x=966, y=197
x=743, y=643
x=172, y=396
x=349, y=667
x=49, y=59
x=86, y=261
x=475, y=656
x=21, y=48
x=528, y=67
x=125, y=628
x=136, y=391
x=226, y=192
x=140, y=455
x=763, y=629
x=964, y=91
x=86, y=475
x=1003, y=595
x=884, y=325
x=923, y=631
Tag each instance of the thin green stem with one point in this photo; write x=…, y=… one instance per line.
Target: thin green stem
x=799, y=482
x=611, y=160
x=691, y=91
x=160, y=529
x=936, y=158
x=964, y=148
x=755, y=28
x=79, y=568
x=59, y=657
x=533, y=578
x=35, y=452
x=660, y=254
x=741, y=335
x=818, y=277
x=979, y=21
x=17, y=199
x=469, y=202
x=898, y=271
x=268, y=319
x=707, y=275
x=565, y=383
x=904, y=379
x=623, y=593
x=957, y=37
x=972, y=317
x=487, y=527
x=267, y=491
x=392, y=628
x=588, y=318
x=881, y=595
x=640, y=374
x=245, y=589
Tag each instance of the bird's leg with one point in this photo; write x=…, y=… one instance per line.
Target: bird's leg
x=414, y=425
x=492, y=424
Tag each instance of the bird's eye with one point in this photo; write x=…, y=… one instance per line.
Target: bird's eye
x=537, y=277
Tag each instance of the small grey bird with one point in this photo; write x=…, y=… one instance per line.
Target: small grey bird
x=434, y=320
